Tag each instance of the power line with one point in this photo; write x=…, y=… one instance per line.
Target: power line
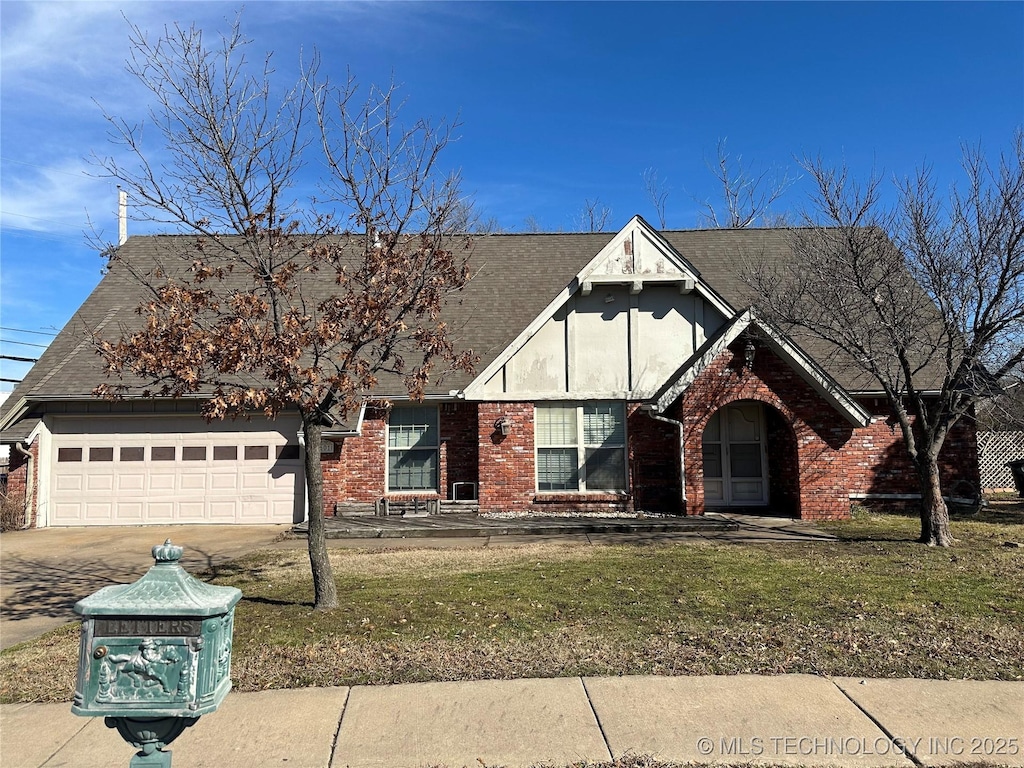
x=41, y=235
x=22, y=343
x=26, y=330
x=37, y=218
x=20, y=359
x=48, y=169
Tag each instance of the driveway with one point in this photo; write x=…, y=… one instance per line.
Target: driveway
x=44, y=572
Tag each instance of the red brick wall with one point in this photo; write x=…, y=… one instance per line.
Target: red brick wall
x=18, y=481
x=459, y=434
x=654, y=463
x=356, y=472
x=783, y=463
x=816, y=457
x=506, y=463
x=878, y=463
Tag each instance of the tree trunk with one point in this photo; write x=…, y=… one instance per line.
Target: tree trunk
x=934, y=514
x=325, y=591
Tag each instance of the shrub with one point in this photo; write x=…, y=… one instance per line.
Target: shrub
x=12, y=512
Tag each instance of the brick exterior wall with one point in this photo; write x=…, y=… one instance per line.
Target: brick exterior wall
x=654, y=465
x=356, y=471
x=878, y=461
x=816, y=457
x=18, y=481
x=506, y=462
x=459, y=423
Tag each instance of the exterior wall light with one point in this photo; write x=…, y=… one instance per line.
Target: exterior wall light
x=749, y=350
x=503, y=426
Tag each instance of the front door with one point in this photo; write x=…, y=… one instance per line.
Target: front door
x=735, y=466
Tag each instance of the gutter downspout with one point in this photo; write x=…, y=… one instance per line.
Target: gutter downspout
x=30, y=486
x=649, y=410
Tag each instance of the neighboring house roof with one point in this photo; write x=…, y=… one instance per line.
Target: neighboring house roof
x=514, y=279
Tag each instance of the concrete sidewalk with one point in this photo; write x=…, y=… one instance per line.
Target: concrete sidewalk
x=789, y=719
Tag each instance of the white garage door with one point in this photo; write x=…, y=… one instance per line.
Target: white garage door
x=135, y=470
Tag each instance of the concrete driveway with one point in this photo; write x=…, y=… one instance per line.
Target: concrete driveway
x=44, y=572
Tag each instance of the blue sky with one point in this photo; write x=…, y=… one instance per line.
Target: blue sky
x=559, y=103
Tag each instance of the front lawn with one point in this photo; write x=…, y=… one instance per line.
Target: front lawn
x=874, y=604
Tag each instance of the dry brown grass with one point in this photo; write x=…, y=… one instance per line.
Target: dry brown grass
x=874, y=605
x=291, y=566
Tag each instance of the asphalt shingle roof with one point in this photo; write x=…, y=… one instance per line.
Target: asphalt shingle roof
x=514, y=277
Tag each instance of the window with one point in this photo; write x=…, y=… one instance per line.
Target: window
x=134, y=453
x=69, y=454
x=413, y=449
x=581, y=447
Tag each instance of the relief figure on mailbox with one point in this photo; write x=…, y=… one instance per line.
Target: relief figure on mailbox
x=150, y=670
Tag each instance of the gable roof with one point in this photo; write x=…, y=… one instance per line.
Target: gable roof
x=635, y=255
x=515, y=280
x=819, y=380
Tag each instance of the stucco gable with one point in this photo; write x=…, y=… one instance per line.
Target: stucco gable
x=618, y=283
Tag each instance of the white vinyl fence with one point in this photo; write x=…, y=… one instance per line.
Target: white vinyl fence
x=994, y=450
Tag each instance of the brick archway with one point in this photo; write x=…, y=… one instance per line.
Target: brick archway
x=807, y=430
x=778, y=460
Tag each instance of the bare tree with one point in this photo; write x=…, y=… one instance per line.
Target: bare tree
x=279, y=304
x=593, y=216
x=532, y=224
x=657, y=191
x=927, y=298
x=747, y=197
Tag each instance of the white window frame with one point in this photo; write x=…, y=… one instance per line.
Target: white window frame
x=580, y=446
x=436, y=447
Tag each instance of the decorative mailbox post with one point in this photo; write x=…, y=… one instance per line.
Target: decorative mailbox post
x=155, y=655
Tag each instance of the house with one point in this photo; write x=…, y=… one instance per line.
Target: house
x=619, y=373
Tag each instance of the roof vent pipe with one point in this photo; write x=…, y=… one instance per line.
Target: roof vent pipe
x=122, y=216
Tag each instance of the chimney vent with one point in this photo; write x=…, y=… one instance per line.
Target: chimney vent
x=122, y=216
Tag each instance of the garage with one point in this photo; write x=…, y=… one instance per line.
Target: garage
x=174, y=469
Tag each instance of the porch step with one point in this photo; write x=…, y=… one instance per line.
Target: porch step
x=403, y=508
x=354, y=509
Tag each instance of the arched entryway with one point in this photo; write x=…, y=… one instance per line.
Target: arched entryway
x=749, y=459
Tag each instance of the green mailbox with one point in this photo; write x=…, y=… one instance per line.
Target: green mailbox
x=155, y=654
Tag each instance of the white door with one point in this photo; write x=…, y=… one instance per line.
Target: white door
x=735, y=465
x=138, y=470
